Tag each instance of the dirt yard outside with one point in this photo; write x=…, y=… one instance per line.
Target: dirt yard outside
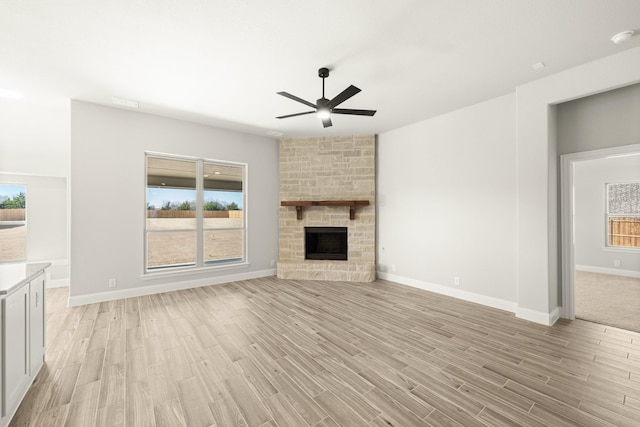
x=221, y=240
x=13, y=242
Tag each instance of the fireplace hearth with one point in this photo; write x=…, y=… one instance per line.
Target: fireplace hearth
x=328, y=243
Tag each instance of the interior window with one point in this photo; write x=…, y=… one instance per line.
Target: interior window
x=623, y=214
x=13, y=222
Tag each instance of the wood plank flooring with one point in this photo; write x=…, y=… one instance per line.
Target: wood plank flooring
x=270, y=352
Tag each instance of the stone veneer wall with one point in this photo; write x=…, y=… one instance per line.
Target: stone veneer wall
x=328, y=168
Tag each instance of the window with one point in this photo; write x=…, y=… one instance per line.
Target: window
x=623, y=214
x=194, y=213
x=13, y=224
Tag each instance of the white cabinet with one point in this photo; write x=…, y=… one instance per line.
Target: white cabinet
x=22, y=343
x=15, y=367
x=36, y=324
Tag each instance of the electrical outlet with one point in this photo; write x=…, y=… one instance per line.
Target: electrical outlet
x=616, y=263
x=456, y=281
x=273, y=263
x=393, y=267
x=112, y=283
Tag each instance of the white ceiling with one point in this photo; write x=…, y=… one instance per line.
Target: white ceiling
x=221, y=62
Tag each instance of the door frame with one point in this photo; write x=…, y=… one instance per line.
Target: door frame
x=567, y=173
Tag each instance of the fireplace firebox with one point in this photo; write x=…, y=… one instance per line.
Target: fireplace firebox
x=329, y=243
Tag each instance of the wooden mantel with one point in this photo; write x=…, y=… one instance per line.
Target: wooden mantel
x=299, y=204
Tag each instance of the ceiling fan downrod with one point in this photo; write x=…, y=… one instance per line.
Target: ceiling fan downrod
x=323, y=73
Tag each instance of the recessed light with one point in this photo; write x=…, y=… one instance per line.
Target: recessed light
x=124, y=102
x=10, y=94
x=162, y=183
x=539, y=65
x=206, y=176
x=216, y=173
x=623, y=36
x=275, y=133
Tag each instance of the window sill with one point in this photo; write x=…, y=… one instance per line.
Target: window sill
x=190, y=271
x=621, y=249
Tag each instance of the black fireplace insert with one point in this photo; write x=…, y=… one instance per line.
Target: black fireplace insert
x=328, y=243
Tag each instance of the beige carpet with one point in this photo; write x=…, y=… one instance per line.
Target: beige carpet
x=607, y=299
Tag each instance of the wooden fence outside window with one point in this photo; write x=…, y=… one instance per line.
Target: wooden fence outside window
x=624, y=231
x=12, y=214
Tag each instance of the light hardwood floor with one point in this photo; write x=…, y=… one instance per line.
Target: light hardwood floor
x=271, y=352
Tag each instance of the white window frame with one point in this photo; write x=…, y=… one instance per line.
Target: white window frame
x=200, y=264
x=610, y=215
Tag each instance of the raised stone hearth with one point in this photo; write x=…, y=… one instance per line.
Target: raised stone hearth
x=328, y=168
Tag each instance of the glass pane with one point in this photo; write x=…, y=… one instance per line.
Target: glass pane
x=171, y=194
x=223, y=195
x=223, y=219
x=223, y=245
x=13, y=240
x=171, y=249
x=624, y=231
x=13, y=230
x=623, y=198
x=222, y=177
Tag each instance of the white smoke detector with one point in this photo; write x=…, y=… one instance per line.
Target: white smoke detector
x=623, y=36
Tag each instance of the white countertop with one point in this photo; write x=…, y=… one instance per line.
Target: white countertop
x=14, y=275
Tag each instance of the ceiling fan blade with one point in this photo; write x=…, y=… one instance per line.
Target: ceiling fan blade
x=343, y=96
x=327, y=122
x=293, y=115
x=353, y=112
x=295, y=98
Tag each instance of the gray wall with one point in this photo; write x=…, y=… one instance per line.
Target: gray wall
x=108, y=196
x=447, y=203
x=608, y=119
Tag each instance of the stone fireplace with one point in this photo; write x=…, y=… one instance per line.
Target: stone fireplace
x=325, y=182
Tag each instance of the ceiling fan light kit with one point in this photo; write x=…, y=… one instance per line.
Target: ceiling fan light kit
x=325, y=107
x=324, y=113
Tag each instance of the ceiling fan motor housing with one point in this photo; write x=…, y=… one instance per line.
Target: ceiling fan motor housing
x=322, y=103
x=323, y=72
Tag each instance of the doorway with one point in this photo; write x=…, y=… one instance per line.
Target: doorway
x=604, y=274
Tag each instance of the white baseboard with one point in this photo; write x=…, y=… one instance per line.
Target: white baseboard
x=168, y=287
x=554, y=316
x=547, y=319
x=452, y=292
x=605, y=270
x=540, y=317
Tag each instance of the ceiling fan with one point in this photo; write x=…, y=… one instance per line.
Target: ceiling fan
x=324, y=107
